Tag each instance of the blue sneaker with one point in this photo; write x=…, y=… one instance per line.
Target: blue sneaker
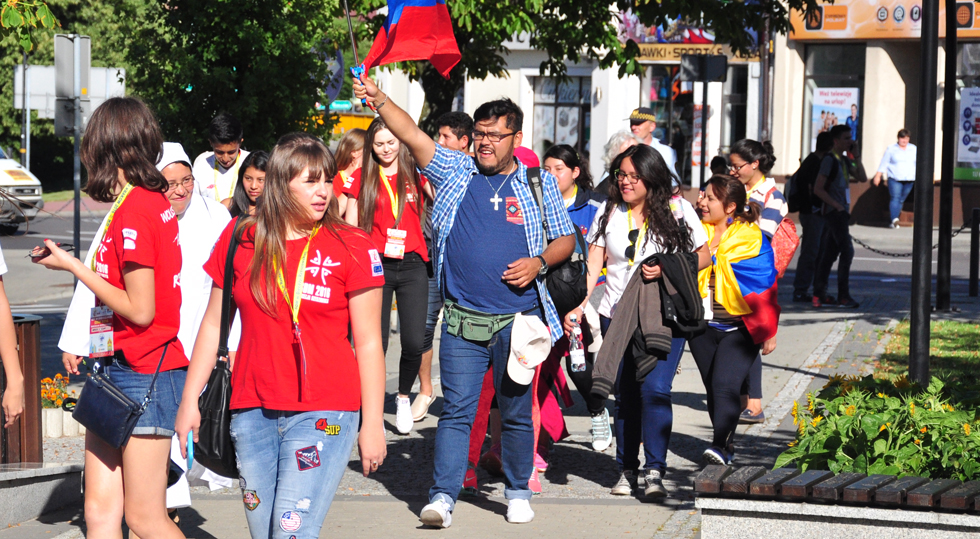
x=716, y=455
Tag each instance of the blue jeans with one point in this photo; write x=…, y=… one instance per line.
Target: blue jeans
x=899, y=191
x=462, y=365
x=290, y=465
x=432, y=315
x=806, y=265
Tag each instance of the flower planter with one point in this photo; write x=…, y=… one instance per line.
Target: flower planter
x=57, y=423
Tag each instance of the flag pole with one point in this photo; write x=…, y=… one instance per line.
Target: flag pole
x=358, y=68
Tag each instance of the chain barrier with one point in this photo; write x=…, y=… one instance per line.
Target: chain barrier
x=905, y=255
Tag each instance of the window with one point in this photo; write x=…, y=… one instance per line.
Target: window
x=562, y=113
x=673, y=101
x=839, y=71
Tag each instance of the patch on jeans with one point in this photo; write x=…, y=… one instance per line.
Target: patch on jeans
x=328, y=429
x=241, y=483
x=290, y=521
x=303, y=505
x=251, y=499
x=307, y=459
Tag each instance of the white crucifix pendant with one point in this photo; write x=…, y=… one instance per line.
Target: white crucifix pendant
x=496, y=201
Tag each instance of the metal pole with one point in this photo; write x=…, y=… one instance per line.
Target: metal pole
x=77, y=133
x=704, y=118
x=946, y=183
x=25, y=117
x=975, y=253
x=764, y=66
x=924, y=175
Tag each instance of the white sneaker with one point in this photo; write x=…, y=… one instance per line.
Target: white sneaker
x=519, y=512
x=403, y=415
x=601, y=433
x=437, y=514
x=624, y=487
x=894, y=223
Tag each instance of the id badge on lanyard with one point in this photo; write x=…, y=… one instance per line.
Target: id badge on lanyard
x=395, y=243
x=100, y=322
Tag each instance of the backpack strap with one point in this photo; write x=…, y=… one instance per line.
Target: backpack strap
x=226, y=294
x=534, y=180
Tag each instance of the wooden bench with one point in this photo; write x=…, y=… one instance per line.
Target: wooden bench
x=753, y=502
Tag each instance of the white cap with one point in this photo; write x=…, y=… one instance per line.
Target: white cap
x=530, y=344
x=173, y=152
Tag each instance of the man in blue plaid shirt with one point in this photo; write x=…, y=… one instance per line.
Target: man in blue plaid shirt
x=490, y=261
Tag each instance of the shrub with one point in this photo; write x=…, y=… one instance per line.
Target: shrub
x=877, y=426
x=53, y=391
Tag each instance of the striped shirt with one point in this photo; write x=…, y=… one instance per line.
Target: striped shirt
x=774, y=207
x=451, y=171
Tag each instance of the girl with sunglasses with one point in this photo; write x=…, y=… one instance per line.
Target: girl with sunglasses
x=644, y=215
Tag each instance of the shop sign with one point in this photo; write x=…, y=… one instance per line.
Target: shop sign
x=674, y=39
x=882, y=19
x=831, y=107
x=672, y=52
x=968, y=141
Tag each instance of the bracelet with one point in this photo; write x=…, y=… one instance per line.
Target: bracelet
x=378, y=107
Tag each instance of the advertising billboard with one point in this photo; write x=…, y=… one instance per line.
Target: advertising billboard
x=879, y=19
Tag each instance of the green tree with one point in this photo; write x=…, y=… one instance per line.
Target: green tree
x=570, y=30
x=257, y=59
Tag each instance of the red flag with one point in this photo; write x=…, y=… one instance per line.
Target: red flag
x=416, y=30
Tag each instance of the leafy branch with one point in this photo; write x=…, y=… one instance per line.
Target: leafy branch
x=21, y=17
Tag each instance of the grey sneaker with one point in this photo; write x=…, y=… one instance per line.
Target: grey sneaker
x=624, y=487
x=654, y=484
x=601, y=433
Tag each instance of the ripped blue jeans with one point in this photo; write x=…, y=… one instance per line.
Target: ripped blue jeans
x=290, y=465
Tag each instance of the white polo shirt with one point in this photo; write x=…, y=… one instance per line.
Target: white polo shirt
x=213, y=181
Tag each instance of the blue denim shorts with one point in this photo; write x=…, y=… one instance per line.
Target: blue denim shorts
x=161, y=412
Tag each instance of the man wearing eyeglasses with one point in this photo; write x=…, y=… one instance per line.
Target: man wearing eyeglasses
x=199, y=222
x=643, y=122
x=490, y=262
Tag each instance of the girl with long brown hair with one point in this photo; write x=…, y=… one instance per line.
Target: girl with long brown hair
x=349, y=155
x=385, y=200
x=135, y=276
x=300, y=394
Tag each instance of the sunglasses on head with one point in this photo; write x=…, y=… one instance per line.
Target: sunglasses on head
x=631, y=250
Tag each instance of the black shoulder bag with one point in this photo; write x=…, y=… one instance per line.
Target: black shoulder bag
x=214, y=448
x=104, y=409
x=566, y=283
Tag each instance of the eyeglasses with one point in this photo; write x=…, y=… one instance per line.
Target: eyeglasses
x=632, y=178
x=494, y=137
x=187, y=183
x=631, y=250
x=734, y=169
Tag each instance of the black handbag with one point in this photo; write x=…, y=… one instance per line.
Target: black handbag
x=105, y=410
x=567, y=282
x=214, y=448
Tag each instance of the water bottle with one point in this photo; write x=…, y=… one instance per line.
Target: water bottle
x=575, y=348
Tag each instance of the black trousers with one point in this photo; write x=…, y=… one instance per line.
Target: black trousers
x=724, y=359
x=409, y=279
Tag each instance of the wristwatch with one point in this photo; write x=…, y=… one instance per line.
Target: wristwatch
x=544, y=265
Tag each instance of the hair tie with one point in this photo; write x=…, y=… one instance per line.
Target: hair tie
x=745, y=209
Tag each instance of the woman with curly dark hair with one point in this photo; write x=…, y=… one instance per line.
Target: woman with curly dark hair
x=644, y=215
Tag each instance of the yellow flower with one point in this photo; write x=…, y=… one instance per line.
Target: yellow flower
x=802, y=428
x=816, y=420
x=922, y=430
x=57, y=402
x=966, y=428
x=796, y=407
x=912, y=408
x=850, y=410
x=918, y=441
x=57, y=376
x=793, y=443
x=47, y=381
x=902, y=382
x=882, y=428
x=881, y=395
x=810, y=403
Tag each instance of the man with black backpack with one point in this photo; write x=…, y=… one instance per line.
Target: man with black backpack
x=802, y=200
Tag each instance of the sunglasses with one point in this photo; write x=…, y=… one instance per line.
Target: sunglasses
x=631, y=250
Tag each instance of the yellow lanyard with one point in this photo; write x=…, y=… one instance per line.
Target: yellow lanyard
x=343, y=177
x=756, y=188
x=108, y=220
x=294, y=304
x=639, y=238
x=393, y=197
x=234, y=177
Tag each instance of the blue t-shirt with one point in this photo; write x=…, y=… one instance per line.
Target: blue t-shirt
x=483, y=241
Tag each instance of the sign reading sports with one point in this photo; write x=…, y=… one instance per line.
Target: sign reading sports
x=878, y=19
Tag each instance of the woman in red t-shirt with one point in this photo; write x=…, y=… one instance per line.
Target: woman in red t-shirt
x=349, y=154
x=385, y=200
x=135, y=276
x=299, y=392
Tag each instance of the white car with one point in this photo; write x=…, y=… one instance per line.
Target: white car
x=20, y=199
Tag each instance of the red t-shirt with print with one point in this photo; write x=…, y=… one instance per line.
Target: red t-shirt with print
x=341, y=181
x=384, y=217
x=144, y=231
x=268, y=364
